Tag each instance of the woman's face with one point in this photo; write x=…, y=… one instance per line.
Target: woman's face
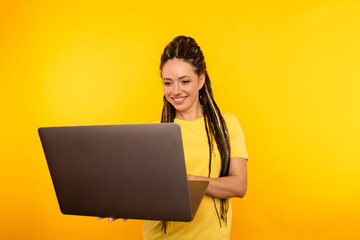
x=182, y=85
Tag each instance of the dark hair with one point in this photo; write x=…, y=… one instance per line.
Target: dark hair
x=186, y=49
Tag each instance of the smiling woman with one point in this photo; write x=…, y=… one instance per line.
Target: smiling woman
x=181, y=88
x=189, y=101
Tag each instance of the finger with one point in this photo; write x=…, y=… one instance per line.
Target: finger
x=124, y=220
x=111, y=219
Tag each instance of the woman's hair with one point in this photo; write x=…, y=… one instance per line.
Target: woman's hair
x=186, y=49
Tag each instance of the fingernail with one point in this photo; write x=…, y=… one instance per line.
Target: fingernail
x=124, y=220
x=99, y=218
x=109, y=221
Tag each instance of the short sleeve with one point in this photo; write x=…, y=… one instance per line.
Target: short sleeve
x=237, y=139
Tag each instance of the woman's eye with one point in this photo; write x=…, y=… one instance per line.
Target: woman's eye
x=186, y=81
x=167, y=83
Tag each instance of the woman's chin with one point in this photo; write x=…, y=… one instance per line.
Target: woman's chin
x=179, y=109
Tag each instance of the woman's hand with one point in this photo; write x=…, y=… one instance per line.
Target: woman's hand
x=111, y=219
x=230, y=186
x=197, y=178
x=191, y=177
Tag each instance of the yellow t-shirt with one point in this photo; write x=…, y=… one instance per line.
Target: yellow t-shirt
x=205, y=225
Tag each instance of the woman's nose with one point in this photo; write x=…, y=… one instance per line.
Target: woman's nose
x=177, y=89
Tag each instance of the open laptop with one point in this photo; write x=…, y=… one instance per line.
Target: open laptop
x=134, y=171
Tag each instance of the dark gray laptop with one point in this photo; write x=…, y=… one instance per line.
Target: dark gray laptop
x=134, y=171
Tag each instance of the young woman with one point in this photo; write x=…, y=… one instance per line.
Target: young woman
x=213, y=142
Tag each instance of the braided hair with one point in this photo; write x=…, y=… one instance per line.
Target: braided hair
x=186, y=49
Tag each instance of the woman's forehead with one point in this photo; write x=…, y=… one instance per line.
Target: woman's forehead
x=177, y=68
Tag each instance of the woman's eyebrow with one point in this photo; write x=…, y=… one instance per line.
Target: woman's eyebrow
x=185, y=76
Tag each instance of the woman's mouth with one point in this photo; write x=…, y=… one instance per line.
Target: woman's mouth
x=179, y=100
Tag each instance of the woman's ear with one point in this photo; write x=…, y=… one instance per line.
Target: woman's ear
x=201, y=80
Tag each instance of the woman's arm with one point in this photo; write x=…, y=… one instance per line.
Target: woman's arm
x=233, y=185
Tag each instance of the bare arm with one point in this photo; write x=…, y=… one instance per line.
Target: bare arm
x=233, y=185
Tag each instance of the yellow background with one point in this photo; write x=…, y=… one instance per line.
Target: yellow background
x=289, y=70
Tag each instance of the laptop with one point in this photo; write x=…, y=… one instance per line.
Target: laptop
x=133, y=171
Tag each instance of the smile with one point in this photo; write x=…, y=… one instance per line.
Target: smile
x=179, y=100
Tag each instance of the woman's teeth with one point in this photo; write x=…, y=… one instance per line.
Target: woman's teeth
x=179, y=99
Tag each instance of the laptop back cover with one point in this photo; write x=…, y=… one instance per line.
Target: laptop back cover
x=132, y=171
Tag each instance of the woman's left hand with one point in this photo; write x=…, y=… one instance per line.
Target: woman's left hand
x=191, y=177
x=233, y=185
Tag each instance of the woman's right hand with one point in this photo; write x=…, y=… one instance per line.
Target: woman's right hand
x=111, y=219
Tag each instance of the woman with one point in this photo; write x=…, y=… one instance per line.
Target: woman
x=213, y=144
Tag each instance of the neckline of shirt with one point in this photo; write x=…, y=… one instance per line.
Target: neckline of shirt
x=189, y=122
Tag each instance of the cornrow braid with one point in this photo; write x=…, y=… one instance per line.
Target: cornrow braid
x=186, y=48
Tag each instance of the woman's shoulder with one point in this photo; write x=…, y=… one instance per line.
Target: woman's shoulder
x=231, y=121
x=229, y=117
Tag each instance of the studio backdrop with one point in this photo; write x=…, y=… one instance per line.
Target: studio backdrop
x=289, y=71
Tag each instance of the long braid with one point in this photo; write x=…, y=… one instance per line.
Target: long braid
x=219, y=130
x=186, y=48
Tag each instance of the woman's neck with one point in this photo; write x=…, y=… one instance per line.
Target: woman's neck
x=190, y=115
